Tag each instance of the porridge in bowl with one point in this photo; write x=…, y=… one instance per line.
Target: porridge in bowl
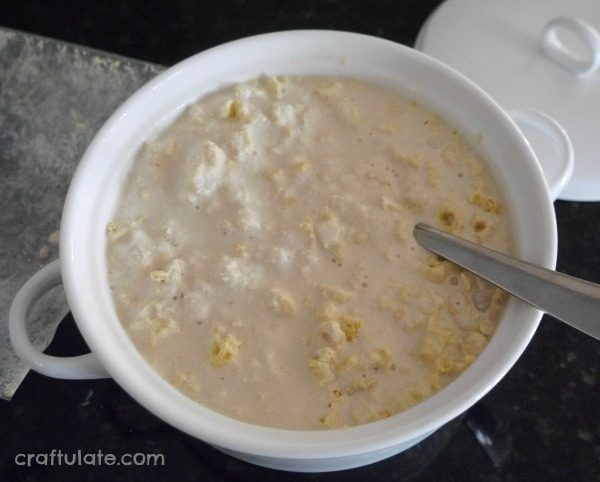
x=262, y=260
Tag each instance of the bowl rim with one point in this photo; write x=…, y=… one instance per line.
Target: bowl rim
x=265, y=441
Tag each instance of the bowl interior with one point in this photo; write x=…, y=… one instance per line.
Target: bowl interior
x=95, y=189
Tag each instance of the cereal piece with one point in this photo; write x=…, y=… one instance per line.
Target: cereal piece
x=249, y=219
x=235, y=110
x=330, y=312
x=450, y=219
x=435, y=379
x=487, y=327
x=467, y=320
x=308, y=227
x=350, y=325
x=249, y=90
x=277, y=176
x=382, y=359
x=330, y=231
x=473, y=344
x=335, y=293
x=173, y=273
x=285, y=116
x=439, y=329
x=331, y=333
x=239, y=273
x=487, y=203
x=186, y=382
x=276, y=86
x=348, y=363
x=168, y=149
x=483, y=227
x=224, y=349
x=436, y=273
x=369, y=413
x=159, y=276
x=362, y=385
x=169, y=327
x=115, y=231
x=445, y=365
x=380, y=415
x=499, y=298
x=240, y=145
x=151, y=320
x=421, y=390
x=468, y=281
x=408, y=292
x=196, y=114
x=454, y=151
x=282, y=302
x=301, y=166
x=323, y=363
x=436, y=339
x=208, y=171
x=329, y=420
x=431, y=347
x=450, y=154
x=436, y=261
x=475, y=166
x=142, y=249
x=415, y=199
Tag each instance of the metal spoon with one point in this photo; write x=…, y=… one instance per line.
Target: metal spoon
x=570, y=299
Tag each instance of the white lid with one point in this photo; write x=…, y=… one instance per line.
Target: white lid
x=540, y=55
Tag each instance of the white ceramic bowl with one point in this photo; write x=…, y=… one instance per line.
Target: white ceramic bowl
x=96, y=186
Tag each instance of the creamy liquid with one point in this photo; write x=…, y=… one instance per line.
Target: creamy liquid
x=262, y=257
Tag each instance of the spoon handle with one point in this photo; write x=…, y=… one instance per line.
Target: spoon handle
x=570, y=299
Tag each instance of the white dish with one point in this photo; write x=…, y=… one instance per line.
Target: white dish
x=96, y=187
x=541, y=55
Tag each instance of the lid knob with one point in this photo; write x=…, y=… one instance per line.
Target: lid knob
x=558, y=51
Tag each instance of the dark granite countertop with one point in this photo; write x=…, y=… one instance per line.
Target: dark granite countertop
x=543, y=417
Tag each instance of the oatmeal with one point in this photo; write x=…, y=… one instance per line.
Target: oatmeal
x=262, y=258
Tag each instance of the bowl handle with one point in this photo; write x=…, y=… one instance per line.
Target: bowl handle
x=551, y=145
x=560, y=53
x=73, y=368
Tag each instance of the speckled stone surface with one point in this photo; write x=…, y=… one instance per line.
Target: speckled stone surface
x=540, y=423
